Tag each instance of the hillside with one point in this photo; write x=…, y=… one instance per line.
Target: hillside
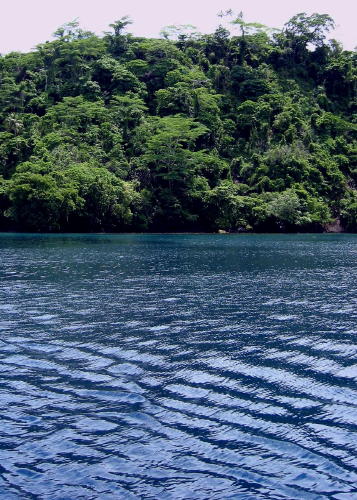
x=252, y=132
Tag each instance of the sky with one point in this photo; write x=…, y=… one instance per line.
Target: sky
x=26, y=23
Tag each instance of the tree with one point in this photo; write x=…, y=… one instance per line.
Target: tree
x=248, y=28
x=170, y=160
x=118, y=42
x=71, y=31
x=38, y=203
x=302, y=29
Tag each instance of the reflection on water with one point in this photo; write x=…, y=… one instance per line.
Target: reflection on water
x=178, y=366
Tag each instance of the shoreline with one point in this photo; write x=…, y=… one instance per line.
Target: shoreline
x=173, y=233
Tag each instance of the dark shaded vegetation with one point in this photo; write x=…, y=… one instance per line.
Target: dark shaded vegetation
x=200, y=133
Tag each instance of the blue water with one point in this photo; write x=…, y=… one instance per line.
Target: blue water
x=178, y=367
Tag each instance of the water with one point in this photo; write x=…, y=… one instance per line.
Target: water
x=178, y=367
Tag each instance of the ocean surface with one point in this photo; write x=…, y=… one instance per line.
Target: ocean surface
x=178, y=367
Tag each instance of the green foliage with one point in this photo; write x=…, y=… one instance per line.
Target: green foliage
x=304, y=29
x=71, y=31
x=187, y=132
x=349, y=211
x=37, y=202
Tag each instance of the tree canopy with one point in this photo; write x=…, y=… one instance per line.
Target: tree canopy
x=190, y=131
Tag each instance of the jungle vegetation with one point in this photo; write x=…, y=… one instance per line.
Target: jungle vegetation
x=250, y=131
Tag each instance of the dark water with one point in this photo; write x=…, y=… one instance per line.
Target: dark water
x=169, y=367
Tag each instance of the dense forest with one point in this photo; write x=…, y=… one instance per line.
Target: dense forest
x=250, y=131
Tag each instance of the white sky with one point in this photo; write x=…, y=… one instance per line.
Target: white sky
x=26, y=23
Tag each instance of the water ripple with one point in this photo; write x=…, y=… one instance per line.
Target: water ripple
x=168, y=367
